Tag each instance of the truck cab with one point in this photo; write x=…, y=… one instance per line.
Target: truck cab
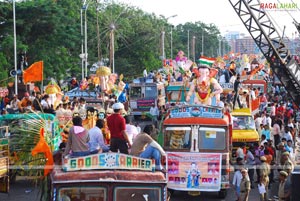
x=107, y=177
x=143, y=94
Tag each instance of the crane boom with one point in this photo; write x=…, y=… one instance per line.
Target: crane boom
x=271, y=44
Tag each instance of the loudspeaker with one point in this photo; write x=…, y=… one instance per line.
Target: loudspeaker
x=15, y=72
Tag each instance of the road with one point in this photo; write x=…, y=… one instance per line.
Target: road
x=24, y=190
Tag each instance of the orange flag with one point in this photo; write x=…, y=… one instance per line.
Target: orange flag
x=34, y=72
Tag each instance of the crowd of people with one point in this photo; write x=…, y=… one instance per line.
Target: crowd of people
x=273, y=158
x=124, y=138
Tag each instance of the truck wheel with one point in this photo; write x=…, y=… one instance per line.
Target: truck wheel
x=222, y=194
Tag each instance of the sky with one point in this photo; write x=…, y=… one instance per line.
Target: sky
x=218, y=12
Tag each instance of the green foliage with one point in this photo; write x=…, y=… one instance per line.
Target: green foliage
x=51, y=31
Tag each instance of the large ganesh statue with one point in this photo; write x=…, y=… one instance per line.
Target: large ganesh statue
x=204, y=87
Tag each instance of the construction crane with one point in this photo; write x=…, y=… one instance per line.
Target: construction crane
x=297, y=24
x=271, y=44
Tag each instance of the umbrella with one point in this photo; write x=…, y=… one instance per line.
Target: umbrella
x=103, y=71
x=52, y=89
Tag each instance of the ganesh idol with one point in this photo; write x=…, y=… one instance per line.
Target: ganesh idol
x=204, y=86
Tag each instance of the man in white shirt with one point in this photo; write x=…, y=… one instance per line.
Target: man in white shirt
x=252, y=93
x=14, y=104
x=44, y=102
x=131, y=130
x=145, y=74
x=240, y=151
x=237, y=178
x=154, y=113
x=96, y=143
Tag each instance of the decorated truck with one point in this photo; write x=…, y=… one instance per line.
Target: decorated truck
x=197, y=139
x=107, y=177
x=243, y=129
x=143, y=94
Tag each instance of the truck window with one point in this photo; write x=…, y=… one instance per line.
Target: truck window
x=212, y=138
x=243, y=123
x=135, y=92
x=174, y=96
x=178, y=138
x=82, y=193
x=137, y=193
x=151, y=92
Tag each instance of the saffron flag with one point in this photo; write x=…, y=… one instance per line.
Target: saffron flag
x=34, y=72
x=206, y=60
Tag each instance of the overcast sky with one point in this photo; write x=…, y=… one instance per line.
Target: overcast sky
x=218, y=12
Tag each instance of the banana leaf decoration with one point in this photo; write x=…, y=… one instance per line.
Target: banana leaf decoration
x=26, y=134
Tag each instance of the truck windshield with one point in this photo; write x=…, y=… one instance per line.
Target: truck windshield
x=151, y=92
x=212, y=138
x=135, y=92
x=137, y=193
x=174, y=96
x=243, y=123
x=178, y=138
x=82, y=193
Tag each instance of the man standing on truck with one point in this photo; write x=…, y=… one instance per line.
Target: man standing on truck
x=236, y=87
x=117, y=127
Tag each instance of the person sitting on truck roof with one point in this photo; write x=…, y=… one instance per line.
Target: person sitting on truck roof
x=144, y=146
x=24, y=103
x=78, y=139
x=96, y=143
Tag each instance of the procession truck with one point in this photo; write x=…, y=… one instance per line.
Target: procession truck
x=107, y=177
x=197, y=141
x=243, y=130
x=144, y=94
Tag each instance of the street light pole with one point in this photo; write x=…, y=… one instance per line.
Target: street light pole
x=85, y=41
x=171, y=42
x=82, y=57
x=163, y=39
x=202, y=43
x=15, y=47
x=188, y=44
x=220, y=39
x=163, y=44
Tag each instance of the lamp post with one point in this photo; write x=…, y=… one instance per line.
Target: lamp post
x=202, y=43
x=220, y=44
x=171, y=36
x=15, y=46
x=163, y=39
x=85, y=40
x=82, y=53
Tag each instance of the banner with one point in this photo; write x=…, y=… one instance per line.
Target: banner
x=34, y=72
x=194, y=171
x=145, y=104
x=113, y=161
